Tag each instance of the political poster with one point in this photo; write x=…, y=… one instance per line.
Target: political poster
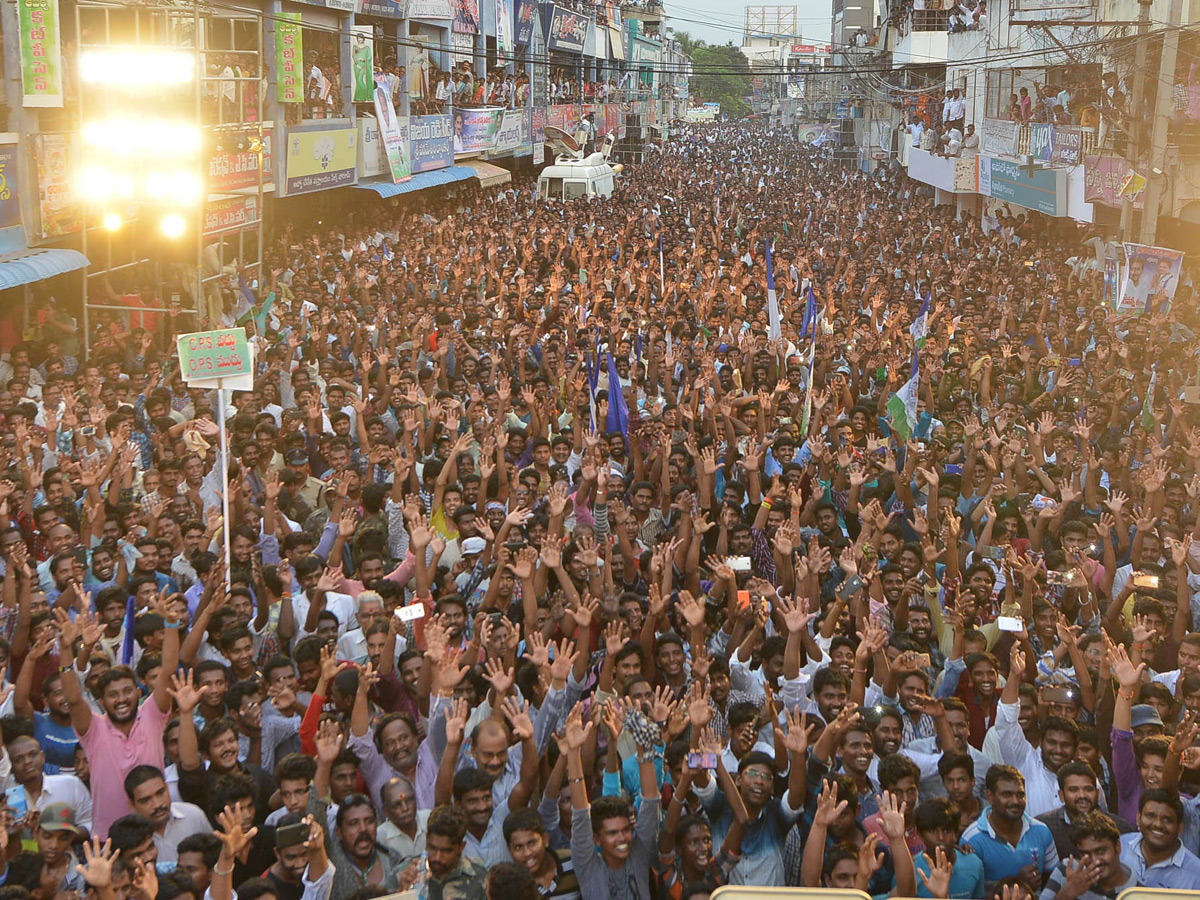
x=466, y=17
x=568, y=31
x=504, y=27
x=395, y=143
x=475, y=129
x=526, y=10
x=10, y=204
x=1151, y=277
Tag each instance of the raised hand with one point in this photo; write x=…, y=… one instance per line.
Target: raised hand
x=891, y=816
x=329, y=742
x=98, y=861
x=234, y=838
x=517, y=714
x=456, y=722
x=185, y=693
x=937, y=882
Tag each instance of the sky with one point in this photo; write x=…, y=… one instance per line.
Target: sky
x=719, y=22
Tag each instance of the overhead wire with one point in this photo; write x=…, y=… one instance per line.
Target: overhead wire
x=692, y=68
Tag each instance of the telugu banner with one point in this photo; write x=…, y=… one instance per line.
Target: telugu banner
x=289, y=58
x=41, y=63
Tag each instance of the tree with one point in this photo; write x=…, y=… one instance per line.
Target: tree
x=689, y=44
x=721, y=75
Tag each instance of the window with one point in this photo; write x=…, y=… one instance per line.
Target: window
x=573, y=190
x=552, y=187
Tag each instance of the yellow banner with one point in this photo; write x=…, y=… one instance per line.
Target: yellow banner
x=317, y=160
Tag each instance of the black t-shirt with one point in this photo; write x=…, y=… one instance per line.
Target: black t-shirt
x=283, y=889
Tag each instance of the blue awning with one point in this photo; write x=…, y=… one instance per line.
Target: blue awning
x=28, y=266
x=420, y=181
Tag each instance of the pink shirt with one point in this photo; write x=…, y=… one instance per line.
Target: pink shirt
x=111, y=756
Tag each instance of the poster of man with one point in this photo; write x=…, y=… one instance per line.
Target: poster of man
x=1151, y=277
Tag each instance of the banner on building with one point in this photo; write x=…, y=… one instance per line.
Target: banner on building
x=230, y=213
x=58, y=206
x=526, y=10
x=462, y=48
x=514, y=131
x=1102, y=178
x=231, y=170
x=371, y=158
x=999, y=136
x=568, y=31
x=321, y=159
x=539, y=88
x=504, y=27
x=475, y=129
x=362, y=62
x=392, y=133
x=1068, y=145
x=430, y=141
x=466, y=17
x=431, y=9
x=41, y=61
x=10, y=203
x=539, y=153
x=612, y=119
x=388, y=9
x=1041, y=140
x=1151, y=277
x=289, y=58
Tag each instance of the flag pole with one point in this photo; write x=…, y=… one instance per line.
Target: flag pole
x=662, y=291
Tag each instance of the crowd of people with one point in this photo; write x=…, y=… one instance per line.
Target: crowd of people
x=582, y=551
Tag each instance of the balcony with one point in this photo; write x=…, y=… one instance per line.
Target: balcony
x=651, y=11
x=921, y=38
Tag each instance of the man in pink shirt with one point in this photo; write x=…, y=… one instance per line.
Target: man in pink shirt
x=126, y=736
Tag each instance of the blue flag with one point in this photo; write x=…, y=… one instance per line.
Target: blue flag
x=809, y=326
x=618, y=413
x=127, y=642
x=774, y=330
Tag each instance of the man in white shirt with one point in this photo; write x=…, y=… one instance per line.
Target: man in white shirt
x=146, y=788
x=914, y=130
x=34, y=790
x=1040, y=767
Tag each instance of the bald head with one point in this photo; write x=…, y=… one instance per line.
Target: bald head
x=489, y=747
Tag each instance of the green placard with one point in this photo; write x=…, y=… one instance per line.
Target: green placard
x=205, y=355
x=41, y=64
x=289, y=58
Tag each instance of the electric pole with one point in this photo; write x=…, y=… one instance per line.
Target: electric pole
x=1134, y=141
x=1164, y=102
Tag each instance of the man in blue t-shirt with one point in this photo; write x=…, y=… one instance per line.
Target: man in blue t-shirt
x=1007, y=841
x=939, y=824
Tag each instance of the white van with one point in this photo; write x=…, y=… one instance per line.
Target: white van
x=572, y=176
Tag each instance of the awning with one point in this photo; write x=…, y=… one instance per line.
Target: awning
x=489, y=175
x=28, y=266
x=419, y=181
x=618, y=45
